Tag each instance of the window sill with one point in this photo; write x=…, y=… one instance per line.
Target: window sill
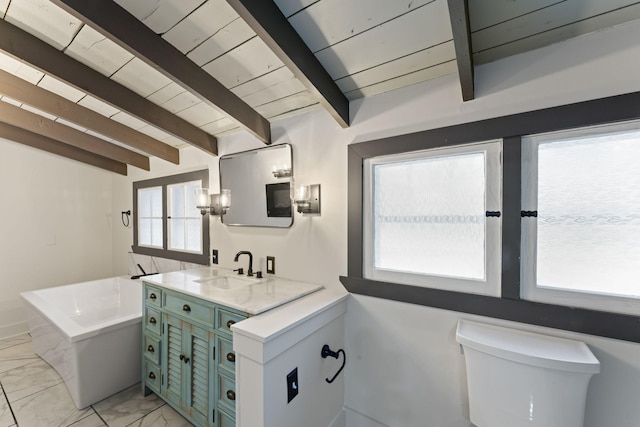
x=599, y=323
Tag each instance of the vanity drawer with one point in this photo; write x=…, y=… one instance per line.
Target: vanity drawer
x=152, y=349
x=152, y=320
x=152, y=376
x=226, y=420
x=227, y=392
x=152, y=296
x=226, y=319
x=226, y=358
x=190, y=309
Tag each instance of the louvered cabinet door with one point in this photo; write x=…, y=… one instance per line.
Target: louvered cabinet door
x=174, y=374
x=201, y=350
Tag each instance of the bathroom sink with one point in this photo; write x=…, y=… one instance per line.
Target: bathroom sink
x=228, y=282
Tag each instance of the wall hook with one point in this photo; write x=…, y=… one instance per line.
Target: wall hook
x=326, y=351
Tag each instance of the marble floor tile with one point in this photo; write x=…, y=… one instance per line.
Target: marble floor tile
x=92, y=420
x=6, y=417
x=28, y=379
x=129, y=405
x=164, y=416
x=16, y=356
x=52, y=407
x=10, y=342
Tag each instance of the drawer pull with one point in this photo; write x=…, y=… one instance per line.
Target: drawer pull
x=184, y=358
x=152, y=375
x=150, y=349
x=231, y=357
x=229, y=323
x=152, y=320
x=186, y=308
x=152, y=296
x=231, y=395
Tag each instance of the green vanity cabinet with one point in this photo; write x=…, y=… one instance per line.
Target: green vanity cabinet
x=188, y=357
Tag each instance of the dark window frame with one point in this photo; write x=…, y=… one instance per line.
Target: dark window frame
x=164, y=182
x=511, y=129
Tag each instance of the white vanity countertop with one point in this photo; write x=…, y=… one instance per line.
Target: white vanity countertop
x=224, y=287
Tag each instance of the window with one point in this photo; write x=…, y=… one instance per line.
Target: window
x=426, y=218
x=585, y=288
x=584, y=247
x=166, y=221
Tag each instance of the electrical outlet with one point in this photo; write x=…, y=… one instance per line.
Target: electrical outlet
x=214, y=256
x=293, y=387
x=271, y=265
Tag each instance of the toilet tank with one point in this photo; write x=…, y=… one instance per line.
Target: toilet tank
x=518, y=379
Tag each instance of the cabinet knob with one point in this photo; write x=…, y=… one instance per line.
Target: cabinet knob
x=152, y=296
x=184, y=358
x=152, y=320
x=152, y=375
x=231, y=395
x=150, y=349
x=186, y=308
x=231, y=357
x=229, y=323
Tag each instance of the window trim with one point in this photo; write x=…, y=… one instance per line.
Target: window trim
x=201, y=175
x=510, y=129
x=490, y=284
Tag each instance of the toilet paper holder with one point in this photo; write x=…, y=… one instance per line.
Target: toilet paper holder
x=326, y=352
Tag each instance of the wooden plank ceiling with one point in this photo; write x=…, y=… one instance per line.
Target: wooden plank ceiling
x=110, y=83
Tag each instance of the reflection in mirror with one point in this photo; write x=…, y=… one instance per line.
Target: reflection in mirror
x=259, y=181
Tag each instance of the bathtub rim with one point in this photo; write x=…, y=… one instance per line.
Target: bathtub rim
x=70, y=329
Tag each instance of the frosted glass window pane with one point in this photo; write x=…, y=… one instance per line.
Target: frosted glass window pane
x=156, y=202
x=589, y=214
x=177, y=201
x=144, y=232
x=177, y=234
x=194, y=235
x=190, y=193
x=144, y=203
x=429, y=216
x=156, y=232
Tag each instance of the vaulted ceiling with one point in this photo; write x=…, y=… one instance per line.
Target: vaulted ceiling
x=110, y=83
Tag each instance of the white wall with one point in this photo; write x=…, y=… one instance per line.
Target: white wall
x=55, y=226
x=404, y=368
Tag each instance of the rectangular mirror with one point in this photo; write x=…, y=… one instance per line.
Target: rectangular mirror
x=259, y=181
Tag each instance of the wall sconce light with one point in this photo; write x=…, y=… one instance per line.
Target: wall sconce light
x=214, y=204
x=307, y=198
x=284, y=172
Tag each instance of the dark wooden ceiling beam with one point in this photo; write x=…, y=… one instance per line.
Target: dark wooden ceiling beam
x=115, y=23
x=459, y=14
x=266, y=19
x=49, y=145
x=23, y=91
x=35, y=123
x=33, y=51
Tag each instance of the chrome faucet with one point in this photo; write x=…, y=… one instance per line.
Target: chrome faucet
x=250, y=270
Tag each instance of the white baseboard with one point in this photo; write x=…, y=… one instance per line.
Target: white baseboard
x=356, y=419
x=340, y=420
x=8, y=331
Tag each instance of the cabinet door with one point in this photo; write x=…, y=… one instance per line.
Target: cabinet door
x=201, y=353
x=173, y=356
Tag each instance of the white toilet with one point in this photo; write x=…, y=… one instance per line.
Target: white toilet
x=518, y=379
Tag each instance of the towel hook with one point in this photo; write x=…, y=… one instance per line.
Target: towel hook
x=326, y=351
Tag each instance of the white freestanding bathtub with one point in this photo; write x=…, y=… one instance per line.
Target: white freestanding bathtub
x=90, y=333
